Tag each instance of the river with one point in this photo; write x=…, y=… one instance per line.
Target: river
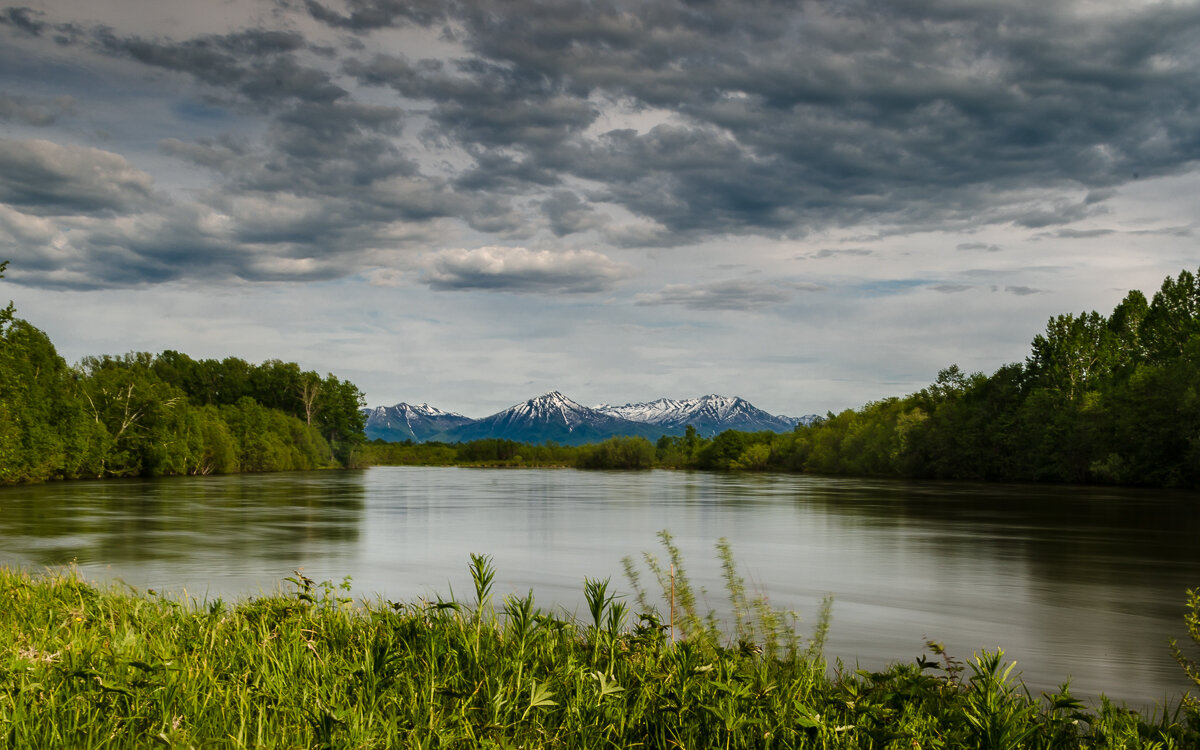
x=1079, y=582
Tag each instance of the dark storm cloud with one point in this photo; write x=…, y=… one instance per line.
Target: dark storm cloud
x=822, y=113
x=481, y=104
x=318, y=189
x=258, y=66
x=650, y=122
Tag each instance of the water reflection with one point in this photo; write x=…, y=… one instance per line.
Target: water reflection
x=207, y=534
x=1085, y=581
x=1077, y=582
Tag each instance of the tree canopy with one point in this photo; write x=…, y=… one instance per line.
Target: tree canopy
x=140, y=414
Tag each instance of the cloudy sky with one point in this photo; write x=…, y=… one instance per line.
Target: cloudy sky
x=469, y=203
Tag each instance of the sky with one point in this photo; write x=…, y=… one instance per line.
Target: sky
x=811, y=205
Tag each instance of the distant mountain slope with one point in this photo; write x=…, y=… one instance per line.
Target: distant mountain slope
x=808, y=420
x=552, y=416
x=402, y=422
x=710, y=415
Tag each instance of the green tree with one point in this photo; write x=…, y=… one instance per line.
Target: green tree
x=339, y=417
x=1172, y=319
x=40, y=423
x=617, y=453
x=142, y=416
x=1073, y=353
x=1125, y=323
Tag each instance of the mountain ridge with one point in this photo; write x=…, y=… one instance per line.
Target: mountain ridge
x=555, y=417
x=710, y=415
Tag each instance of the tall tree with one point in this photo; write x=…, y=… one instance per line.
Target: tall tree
x=339, y=416
x=1072, y=353
x=1172, y=319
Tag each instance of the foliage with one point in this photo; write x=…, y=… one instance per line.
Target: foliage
x=483, y=452
x=44, y=432
x=1190, y=666
x=144, y=415
x=617, y=453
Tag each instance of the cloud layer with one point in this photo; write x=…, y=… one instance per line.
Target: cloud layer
x=638, y=123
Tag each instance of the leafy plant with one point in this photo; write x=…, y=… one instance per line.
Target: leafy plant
x=1190, y=667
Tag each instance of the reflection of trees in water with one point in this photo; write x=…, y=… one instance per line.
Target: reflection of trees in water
x=1105, y=569
x=1067, y=534
x=245, y=515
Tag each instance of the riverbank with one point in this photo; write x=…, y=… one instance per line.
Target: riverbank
x=87, y=666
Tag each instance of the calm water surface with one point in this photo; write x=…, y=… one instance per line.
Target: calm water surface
x=1073, y=582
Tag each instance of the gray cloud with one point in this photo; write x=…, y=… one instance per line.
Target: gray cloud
x=221, y=155
x=568, y=214
x=934, y=102
x=1022, y=291
x=739, y=295
x=43, y=178
x=1078, y=234
x=26, y=20
x=520, y=270
x=828, y=252
x=37, y=111
x=367, y=16
x=258, y=66
x=985, y=247
x=684, y=121
x=951, y=288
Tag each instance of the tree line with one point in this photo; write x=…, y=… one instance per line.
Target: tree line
x=1100, y=399
x=140, y=414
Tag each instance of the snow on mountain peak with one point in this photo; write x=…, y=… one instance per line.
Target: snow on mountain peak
x=709, y=414
x=552, y=407
x=558, y=416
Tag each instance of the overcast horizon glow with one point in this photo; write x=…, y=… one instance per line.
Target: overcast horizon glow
x=809, y=205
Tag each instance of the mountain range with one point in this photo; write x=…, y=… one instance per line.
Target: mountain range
x=555, y=417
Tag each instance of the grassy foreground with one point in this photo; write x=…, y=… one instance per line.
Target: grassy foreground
x=82, y=666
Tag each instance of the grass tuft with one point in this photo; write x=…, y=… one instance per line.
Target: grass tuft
x=89, y=666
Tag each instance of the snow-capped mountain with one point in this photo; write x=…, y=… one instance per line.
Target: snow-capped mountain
x=552, y=416
x=710, y=415
x=808, y=420
x=407, y=422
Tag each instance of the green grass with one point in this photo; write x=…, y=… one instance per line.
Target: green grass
x=87, y=666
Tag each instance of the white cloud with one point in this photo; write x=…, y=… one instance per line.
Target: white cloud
x=521, y=270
